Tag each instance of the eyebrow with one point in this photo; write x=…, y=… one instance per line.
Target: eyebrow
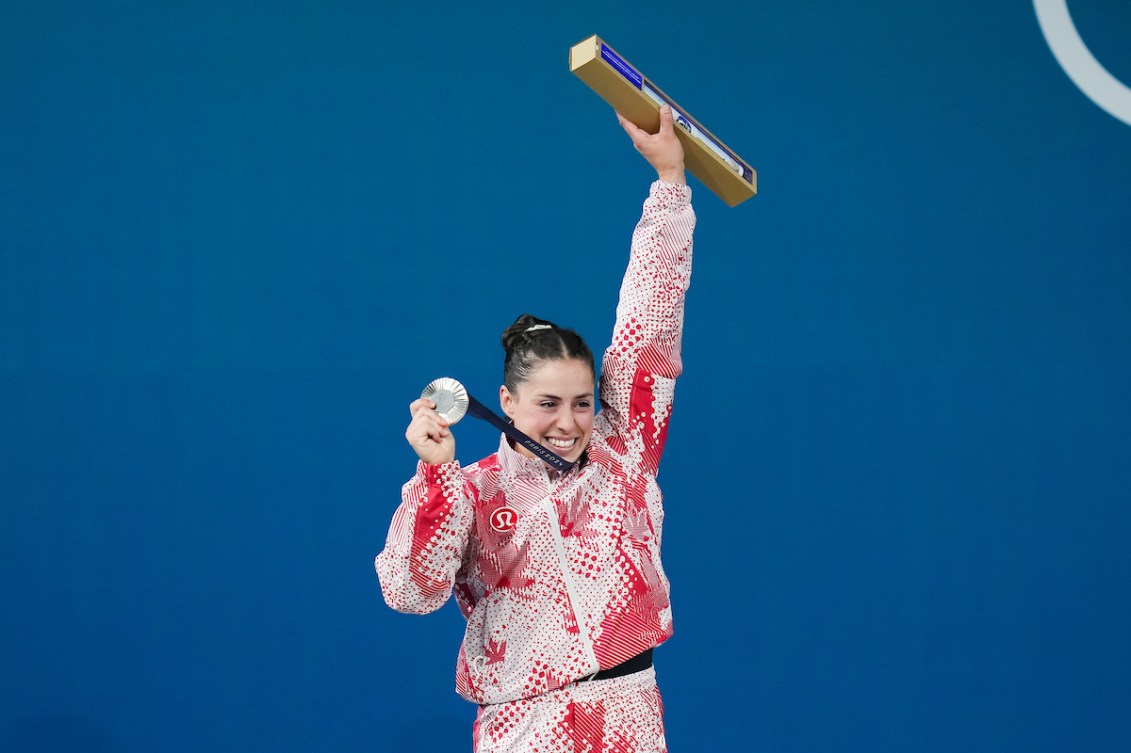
x=542, y=395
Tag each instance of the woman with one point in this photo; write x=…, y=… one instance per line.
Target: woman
x=559, y=575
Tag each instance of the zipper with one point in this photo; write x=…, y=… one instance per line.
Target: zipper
x=563, y=562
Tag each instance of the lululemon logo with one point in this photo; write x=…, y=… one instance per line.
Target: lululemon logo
x=1078, y=62
x=504, y=519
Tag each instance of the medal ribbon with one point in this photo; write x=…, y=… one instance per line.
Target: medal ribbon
x=481, y=411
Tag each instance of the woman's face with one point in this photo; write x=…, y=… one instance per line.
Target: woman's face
x=554, y=407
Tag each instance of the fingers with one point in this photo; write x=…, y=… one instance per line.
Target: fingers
x=435, y=427
x=430, y=438
x=667, y=124
x=642, y=139
x=636, y=133
x=426, y=422
x=663, y=150
x=422, y=404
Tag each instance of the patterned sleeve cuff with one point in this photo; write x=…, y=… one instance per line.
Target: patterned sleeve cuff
x=435, y=474
x=670, y=195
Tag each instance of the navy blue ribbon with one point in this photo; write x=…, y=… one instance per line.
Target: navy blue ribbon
x=481, y=411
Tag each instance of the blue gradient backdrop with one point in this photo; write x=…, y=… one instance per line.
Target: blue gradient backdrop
x=236, y=238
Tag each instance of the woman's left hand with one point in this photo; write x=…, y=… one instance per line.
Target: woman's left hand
x=663, y=150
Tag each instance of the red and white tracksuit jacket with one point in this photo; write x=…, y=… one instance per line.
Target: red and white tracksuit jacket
x=559, y=575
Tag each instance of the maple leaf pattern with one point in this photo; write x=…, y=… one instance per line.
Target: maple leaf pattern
x=638, y=527
x=495, y=651
x=507, y=566
x=574, y=520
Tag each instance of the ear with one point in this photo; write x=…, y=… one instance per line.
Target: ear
x=507, y=401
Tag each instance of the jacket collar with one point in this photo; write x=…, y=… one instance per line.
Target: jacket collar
x=519, y=466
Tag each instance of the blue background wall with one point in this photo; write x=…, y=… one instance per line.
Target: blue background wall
x=236, y=239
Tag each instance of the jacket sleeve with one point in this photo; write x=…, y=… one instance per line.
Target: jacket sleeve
x=427, y=539
x=640, y=366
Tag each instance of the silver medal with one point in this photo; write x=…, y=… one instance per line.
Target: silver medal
x=449, y=396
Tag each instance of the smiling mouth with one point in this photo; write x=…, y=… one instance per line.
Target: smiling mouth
x=561, y=444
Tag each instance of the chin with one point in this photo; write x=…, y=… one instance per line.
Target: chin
x=576, y=453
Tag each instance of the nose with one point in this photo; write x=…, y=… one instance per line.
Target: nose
x=565, y=419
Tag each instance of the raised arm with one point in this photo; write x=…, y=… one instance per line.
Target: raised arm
x=641, y=364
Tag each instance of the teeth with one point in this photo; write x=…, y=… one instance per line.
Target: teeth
x=562, y=443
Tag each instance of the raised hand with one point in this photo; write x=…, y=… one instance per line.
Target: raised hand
x=663, y=150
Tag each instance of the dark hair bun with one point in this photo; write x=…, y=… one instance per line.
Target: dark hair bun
x=514, y=335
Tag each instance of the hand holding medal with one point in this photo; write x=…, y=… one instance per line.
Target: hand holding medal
x=429, y=433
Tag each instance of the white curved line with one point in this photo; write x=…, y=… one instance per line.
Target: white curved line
x=1085, y=71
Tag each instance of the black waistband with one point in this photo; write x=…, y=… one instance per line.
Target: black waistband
x=638, y=663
